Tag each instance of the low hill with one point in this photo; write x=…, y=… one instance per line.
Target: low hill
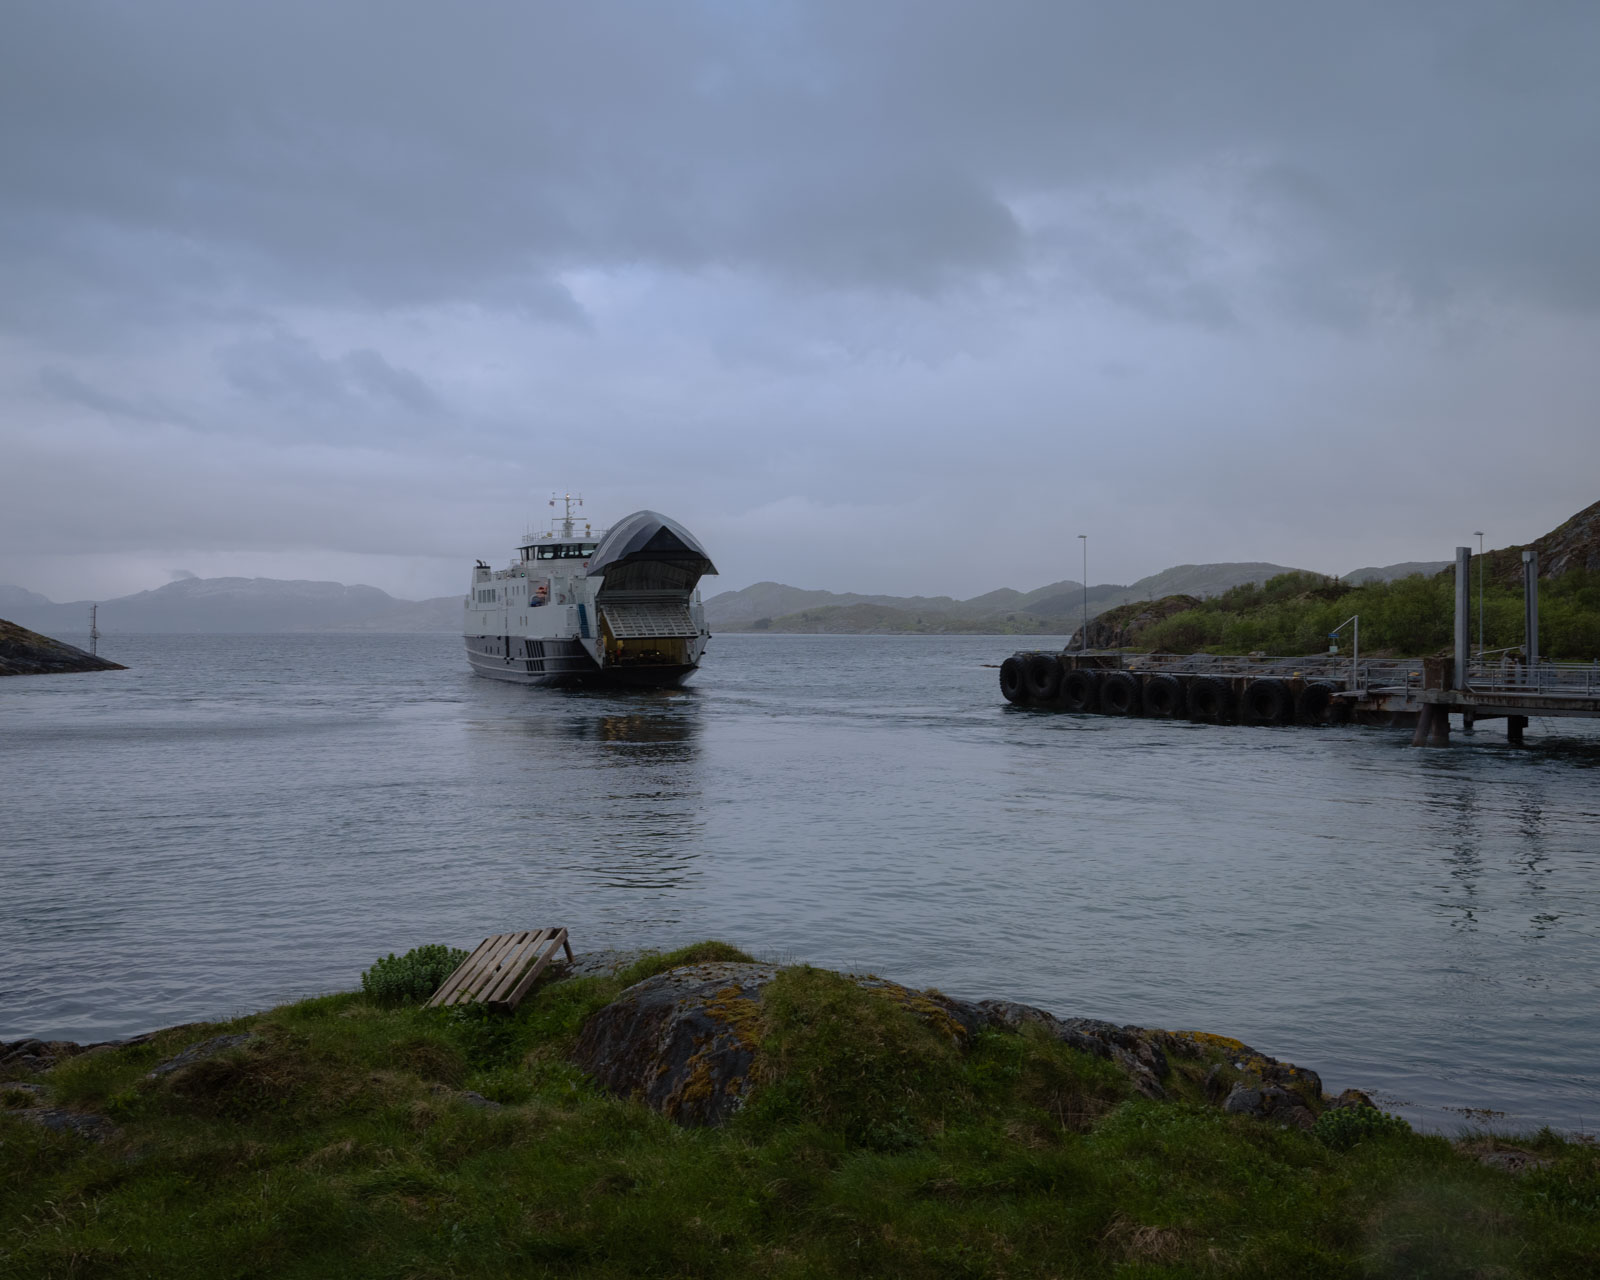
x=736, y=610
x=1389, y=572
x=1049, y=610
x=877, y=619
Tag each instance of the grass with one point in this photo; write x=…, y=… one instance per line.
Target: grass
x=879, y=1141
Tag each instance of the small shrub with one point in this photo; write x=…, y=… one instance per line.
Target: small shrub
x=1343, y=1127
x=412, y=977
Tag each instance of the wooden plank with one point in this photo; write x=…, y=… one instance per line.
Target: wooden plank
x=472, y=979
x=457, y=976
x=553, y=948
x=512, y=966
x=546, y=941
x=482, y=979
x=502, y=969
x=557, y=942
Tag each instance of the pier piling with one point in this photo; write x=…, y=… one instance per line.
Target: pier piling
x=1419, y=736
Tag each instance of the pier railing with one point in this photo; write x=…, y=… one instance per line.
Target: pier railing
x=1381, y=673
x=1501, y=672
x=1563, y=679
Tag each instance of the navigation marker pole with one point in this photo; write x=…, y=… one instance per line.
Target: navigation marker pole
x=1084, y=538
x=94, y=631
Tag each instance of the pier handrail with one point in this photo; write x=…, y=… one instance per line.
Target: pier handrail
x=1386, y=673
x=1571, y=679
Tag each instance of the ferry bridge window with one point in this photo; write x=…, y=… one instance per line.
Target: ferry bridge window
x=566, y=551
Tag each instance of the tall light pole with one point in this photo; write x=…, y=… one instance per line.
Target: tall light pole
x=1479, y=533
x=1084, y=538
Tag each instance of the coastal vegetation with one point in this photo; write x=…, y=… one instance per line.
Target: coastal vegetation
x=347, y=1135
x=1293, y=613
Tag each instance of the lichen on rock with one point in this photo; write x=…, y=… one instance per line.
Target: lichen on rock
x=681, y=1041
x=687, y=1042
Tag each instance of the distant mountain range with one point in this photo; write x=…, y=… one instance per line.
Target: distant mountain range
x=1054, y=609
x=237, y=605
x=273, y=605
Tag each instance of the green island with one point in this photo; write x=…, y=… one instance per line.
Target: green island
x=875, y=1131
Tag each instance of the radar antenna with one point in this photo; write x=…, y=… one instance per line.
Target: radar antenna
x=568, y=501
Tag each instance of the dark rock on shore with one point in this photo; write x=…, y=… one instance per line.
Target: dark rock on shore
x=27, y=653
x=83, y=1123
x=686, y=1042
x=682, y=1041
x=198, y=1052
x=32, y=1056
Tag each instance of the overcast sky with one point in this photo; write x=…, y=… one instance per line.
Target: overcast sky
x=872, y=295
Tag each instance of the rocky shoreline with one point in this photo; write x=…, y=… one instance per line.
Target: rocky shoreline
x=683, y=1042
x=27, y=653
x=701, y=1113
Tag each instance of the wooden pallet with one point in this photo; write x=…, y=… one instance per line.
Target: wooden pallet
x=503, y=969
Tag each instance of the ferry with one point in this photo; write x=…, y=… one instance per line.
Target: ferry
x=613, y=606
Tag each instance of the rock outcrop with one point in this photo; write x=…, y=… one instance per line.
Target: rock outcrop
x=682, y=1041
x=27, y=653
x=687, y=1043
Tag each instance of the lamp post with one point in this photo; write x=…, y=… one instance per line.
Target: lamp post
x=1354, y=623
x=1084, y=538
x=1479, y=533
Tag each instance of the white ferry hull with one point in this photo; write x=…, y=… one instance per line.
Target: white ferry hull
x=620, y=609
x=558, y=662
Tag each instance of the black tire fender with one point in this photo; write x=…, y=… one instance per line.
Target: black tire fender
x=1080, y=690
x=1266, y=702
x=1041, y=673
x=1163, y=697
x=1012, y=686
x=1119, y=694
x=1315, y=703
x=1209, y=700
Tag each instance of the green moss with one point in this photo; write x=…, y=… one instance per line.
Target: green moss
x=697, y=953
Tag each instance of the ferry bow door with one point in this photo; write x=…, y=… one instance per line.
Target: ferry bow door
x=646, y=635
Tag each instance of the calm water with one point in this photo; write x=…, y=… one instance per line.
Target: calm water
x=240, y=820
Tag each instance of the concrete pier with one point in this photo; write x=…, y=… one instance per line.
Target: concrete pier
x=1421, y=693
x=1417, y=693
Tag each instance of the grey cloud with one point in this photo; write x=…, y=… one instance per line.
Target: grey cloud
x=285, y=369
x=64, y=385
x=1014, y=257
x=400, y=153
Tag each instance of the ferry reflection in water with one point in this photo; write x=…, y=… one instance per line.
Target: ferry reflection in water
x=617, y=782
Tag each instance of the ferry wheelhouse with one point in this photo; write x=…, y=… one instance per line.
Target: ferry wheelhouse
x=620, y=606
